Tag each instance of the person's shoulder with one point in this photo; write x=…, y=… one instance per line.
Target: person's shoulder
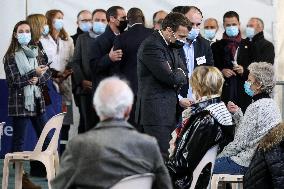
x=202, y=40
x=218, y=44
x=145, y=139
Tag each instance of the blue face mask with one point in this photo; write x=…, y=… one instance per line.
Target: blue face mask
x=248, y=90
x=209, y=33
x=99, y=27
x=45, y=30
x=24, y=38
x=232, y=31
x=250, y=32
x=85, y=26
x=194, y=32
x=58, y=24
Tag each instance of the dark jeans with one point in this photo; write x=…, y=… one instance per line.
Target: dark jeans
x=162, y=134
x=20, y=125
x=225, y=165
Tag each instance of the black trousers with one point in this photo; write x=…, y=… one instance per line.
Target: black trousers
x=162, y=134
x=88, y=115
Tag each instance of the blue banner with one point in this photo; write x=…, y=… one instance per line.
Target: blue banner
x=30, y=138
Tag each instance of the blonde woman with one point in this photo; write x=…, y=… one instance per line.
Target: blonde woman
x=206, y=123
x=59, y=49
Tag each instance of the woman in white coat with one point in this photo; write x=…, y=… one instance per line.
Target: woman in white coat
x=59, y=49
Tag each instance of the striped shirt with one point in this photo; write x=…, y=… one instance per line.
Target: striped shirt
x=220, y=112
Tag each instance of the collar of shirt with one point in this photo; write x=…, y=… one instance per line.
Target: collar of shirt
x=136, y=24
x=160, y=32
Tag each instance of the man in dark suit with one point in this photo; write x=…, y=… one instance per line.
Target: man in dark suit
x=113, y=149
x=129, y=42
x=195, y=52
x=261, y=50
x=231, y=57
x=82, y=75
x=160, y=75
x=104, y=56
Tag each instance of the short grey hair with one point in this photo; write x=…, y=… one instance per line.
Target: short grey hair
x=264, y=74
x=112, y=98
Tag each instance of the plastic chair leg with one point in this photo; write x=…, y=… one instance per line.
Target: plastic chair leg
x=56, y=162
x=5, y=174
x=18, y=174
x=214, y=182
x=50, y=170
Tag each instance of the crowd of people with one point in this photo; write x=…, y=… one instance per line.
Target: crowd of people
x=151, y=100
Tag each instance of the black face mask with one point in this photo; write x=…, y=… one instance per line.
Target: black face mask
x=177, y=44
x=122, y=25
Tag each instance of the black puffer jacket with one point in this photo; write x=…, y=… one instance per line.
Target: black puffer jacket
x=266, y=170
x=201, y=133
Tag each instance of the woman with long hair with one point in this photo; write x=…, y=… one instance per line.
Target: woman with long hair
x=26, y=74
x=59, y=48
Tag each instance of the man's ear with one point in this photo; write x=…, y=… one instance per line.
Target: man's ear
x=112, y=19
x=127, y=112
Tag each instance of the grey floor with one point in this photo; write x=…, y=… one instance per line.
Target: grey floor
x=38, y=181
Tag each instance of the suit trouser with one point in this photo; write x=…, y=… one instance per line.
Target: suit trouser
x=87, y=112
x=162, y=134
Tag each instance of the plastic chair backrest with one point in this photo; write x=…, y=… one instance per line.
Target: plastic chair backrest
x=140, y=181
x=209, y=157
x=54, y=123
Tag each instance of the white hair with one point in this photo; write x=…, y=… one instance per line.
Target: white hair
x=263, y=72
x=112, y=98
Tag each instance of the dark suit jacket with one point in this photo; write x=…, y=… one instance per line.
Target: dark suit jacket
x=76, y=35
x=160, y=74
x=103, y=156
x=129, y=42
x=81, y=61
x=101, y=64
x=201, y=49
x=233, y=88
x=261, y=50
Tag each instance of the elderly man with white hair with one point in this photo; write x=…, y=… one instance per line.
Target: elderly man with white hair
x=113, y=149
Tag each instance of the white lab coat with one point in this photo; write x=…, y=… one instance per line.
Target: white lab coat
x=58, y=53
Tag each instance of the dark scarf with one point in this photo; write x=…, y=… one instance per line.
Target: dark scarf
x=260, y=96
x=232, y=43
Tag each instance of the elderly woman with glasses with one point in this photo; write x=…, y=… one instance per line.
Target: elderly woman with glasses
x=261, y=116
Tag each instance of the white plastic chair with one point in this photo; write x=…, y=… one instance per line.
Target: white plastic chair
x=236, y=180
x=1, y=132
x=49, y=157
x=141, y=181
x=209, y=157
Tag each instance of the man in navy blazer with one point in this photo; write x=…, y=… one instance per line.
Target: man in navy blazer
x=195, y=52
x=129, y=42
x=103, y=56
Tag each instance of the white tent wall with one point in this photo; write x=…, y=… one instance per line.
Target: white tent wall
x=279, y=52
x=14, y=10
